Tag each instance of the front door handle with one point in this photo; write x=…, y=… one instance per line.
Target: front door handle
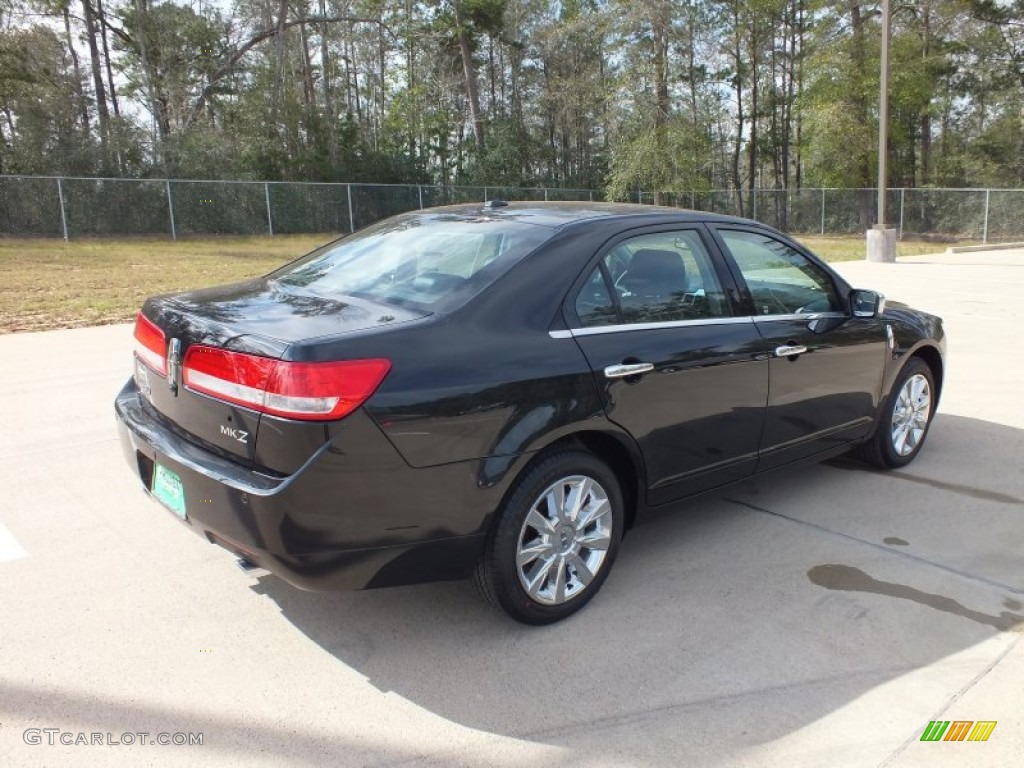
x=790, y=350
x=627, y=369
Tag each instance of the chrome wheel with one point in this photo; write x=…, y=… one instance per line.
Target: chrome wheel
x=564, y=540
x=910, y=415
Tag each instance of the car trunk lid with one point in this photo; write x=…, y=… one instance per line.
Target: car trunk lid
x=215, y=364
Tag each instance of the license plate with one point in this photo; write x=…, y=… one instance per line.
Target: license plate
x=167, y=488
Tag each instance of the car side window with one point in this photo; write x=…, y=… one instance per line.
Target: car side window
x=594, y=305
x=657, y=277
x=782, y=281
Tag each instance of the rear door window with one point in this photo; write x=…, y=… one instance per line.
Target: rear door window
x=594, y=304
x=653, y=278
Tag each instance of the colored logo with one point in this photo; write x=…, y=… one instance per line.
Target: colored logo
x=958, y=730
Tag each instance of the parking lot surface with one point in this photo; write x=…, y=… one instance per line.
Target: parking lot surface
x=817, y=617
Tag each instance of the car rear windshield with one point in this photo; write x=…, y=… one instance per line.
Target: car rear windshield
x=427, y=261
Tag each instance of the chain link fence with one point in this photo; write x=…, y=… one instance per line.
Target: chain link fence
x=72, y=207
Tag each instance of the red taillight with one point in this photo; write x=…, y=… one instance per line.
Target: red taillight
x=307, y=391
x=150, y=344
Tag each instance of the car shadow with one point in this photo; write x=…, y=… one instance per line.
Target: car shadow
x=750, y=613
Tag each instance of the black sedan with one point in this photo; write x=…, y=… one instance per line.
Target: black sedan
x=502, y=390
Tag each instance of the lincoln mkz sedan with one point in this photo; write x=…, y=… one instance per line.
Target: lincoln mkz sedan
x=501, y=390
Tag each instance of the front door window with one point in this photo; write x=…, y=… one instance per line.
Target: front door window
x=782, y=281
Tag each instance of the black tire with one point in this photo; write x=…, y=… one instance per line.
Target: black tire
x=881, y=450
x=497, y=575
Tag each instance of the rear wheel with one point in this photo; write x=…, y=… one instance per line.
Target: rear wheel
x=904, y=424
x=555, y=540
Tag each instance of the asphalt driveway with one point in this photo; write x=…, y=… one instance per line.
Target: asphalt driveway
x=819, y=617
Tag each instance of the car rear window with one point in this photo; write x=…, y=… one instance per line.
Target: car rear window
x=427, y=261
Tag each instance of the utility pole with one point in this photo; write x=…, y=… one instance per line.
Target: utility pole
x=881, y=241
x=883, y=115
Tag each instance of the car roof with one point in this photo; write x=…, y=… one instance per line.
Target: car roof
x=560, y=214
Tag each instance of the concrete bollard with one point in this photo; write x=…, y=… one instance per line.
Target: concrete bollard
x=881, y=245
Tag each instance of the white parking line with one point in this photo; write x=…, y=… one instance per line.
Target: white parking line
x=10, y=549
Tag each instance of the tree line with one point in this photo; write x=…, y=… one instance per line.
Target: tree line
x=657, y=95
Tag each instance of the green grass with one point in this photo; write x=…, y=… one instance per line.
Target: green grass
x=52, y=284
x=48, y=284
x=854, y=247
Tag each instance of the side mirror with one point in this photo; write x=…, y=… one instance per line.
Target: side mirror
x=866, y=303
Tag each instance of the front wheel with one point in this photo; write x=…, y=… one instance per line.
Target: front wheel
x=904, y=423
x=555, y=540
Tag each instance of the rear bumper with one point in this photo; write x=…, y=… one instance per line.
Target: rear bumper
x=354, y=516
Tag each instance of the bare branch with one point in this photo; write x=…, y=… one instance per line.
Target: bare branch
x=258, y=38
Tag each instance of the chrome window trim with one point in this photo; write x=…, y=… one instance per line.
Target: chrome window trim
x=597, y=330
x=797, y=316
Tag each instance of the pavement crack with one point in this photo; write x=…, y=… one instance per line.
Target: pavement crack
x=969, y=491
x=959, y=694
x=783, y=690
x=889, y=550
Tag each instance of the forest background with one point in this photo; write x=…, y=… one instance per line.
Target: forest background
x=671, y=96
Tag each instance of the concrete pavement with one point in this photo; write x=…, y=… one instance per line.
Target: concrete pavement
x=821, y=617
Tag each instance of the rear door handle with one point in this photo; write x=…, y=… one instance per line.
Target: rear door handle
x=627, y=369
x=790, y=350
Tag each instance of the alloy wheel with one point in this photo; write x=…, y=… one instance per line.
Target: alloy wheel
x=564, y=540
x=910, y=414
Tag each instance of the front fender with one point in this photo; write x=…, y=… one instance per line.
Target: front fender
x=914, y=333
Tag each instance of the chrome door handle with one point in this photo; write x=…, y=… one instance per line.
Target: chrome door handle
x=627, y=369
x=789, y=350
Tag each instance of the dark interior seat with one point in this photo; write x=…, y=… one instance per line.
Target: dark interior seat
x=655, y=273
